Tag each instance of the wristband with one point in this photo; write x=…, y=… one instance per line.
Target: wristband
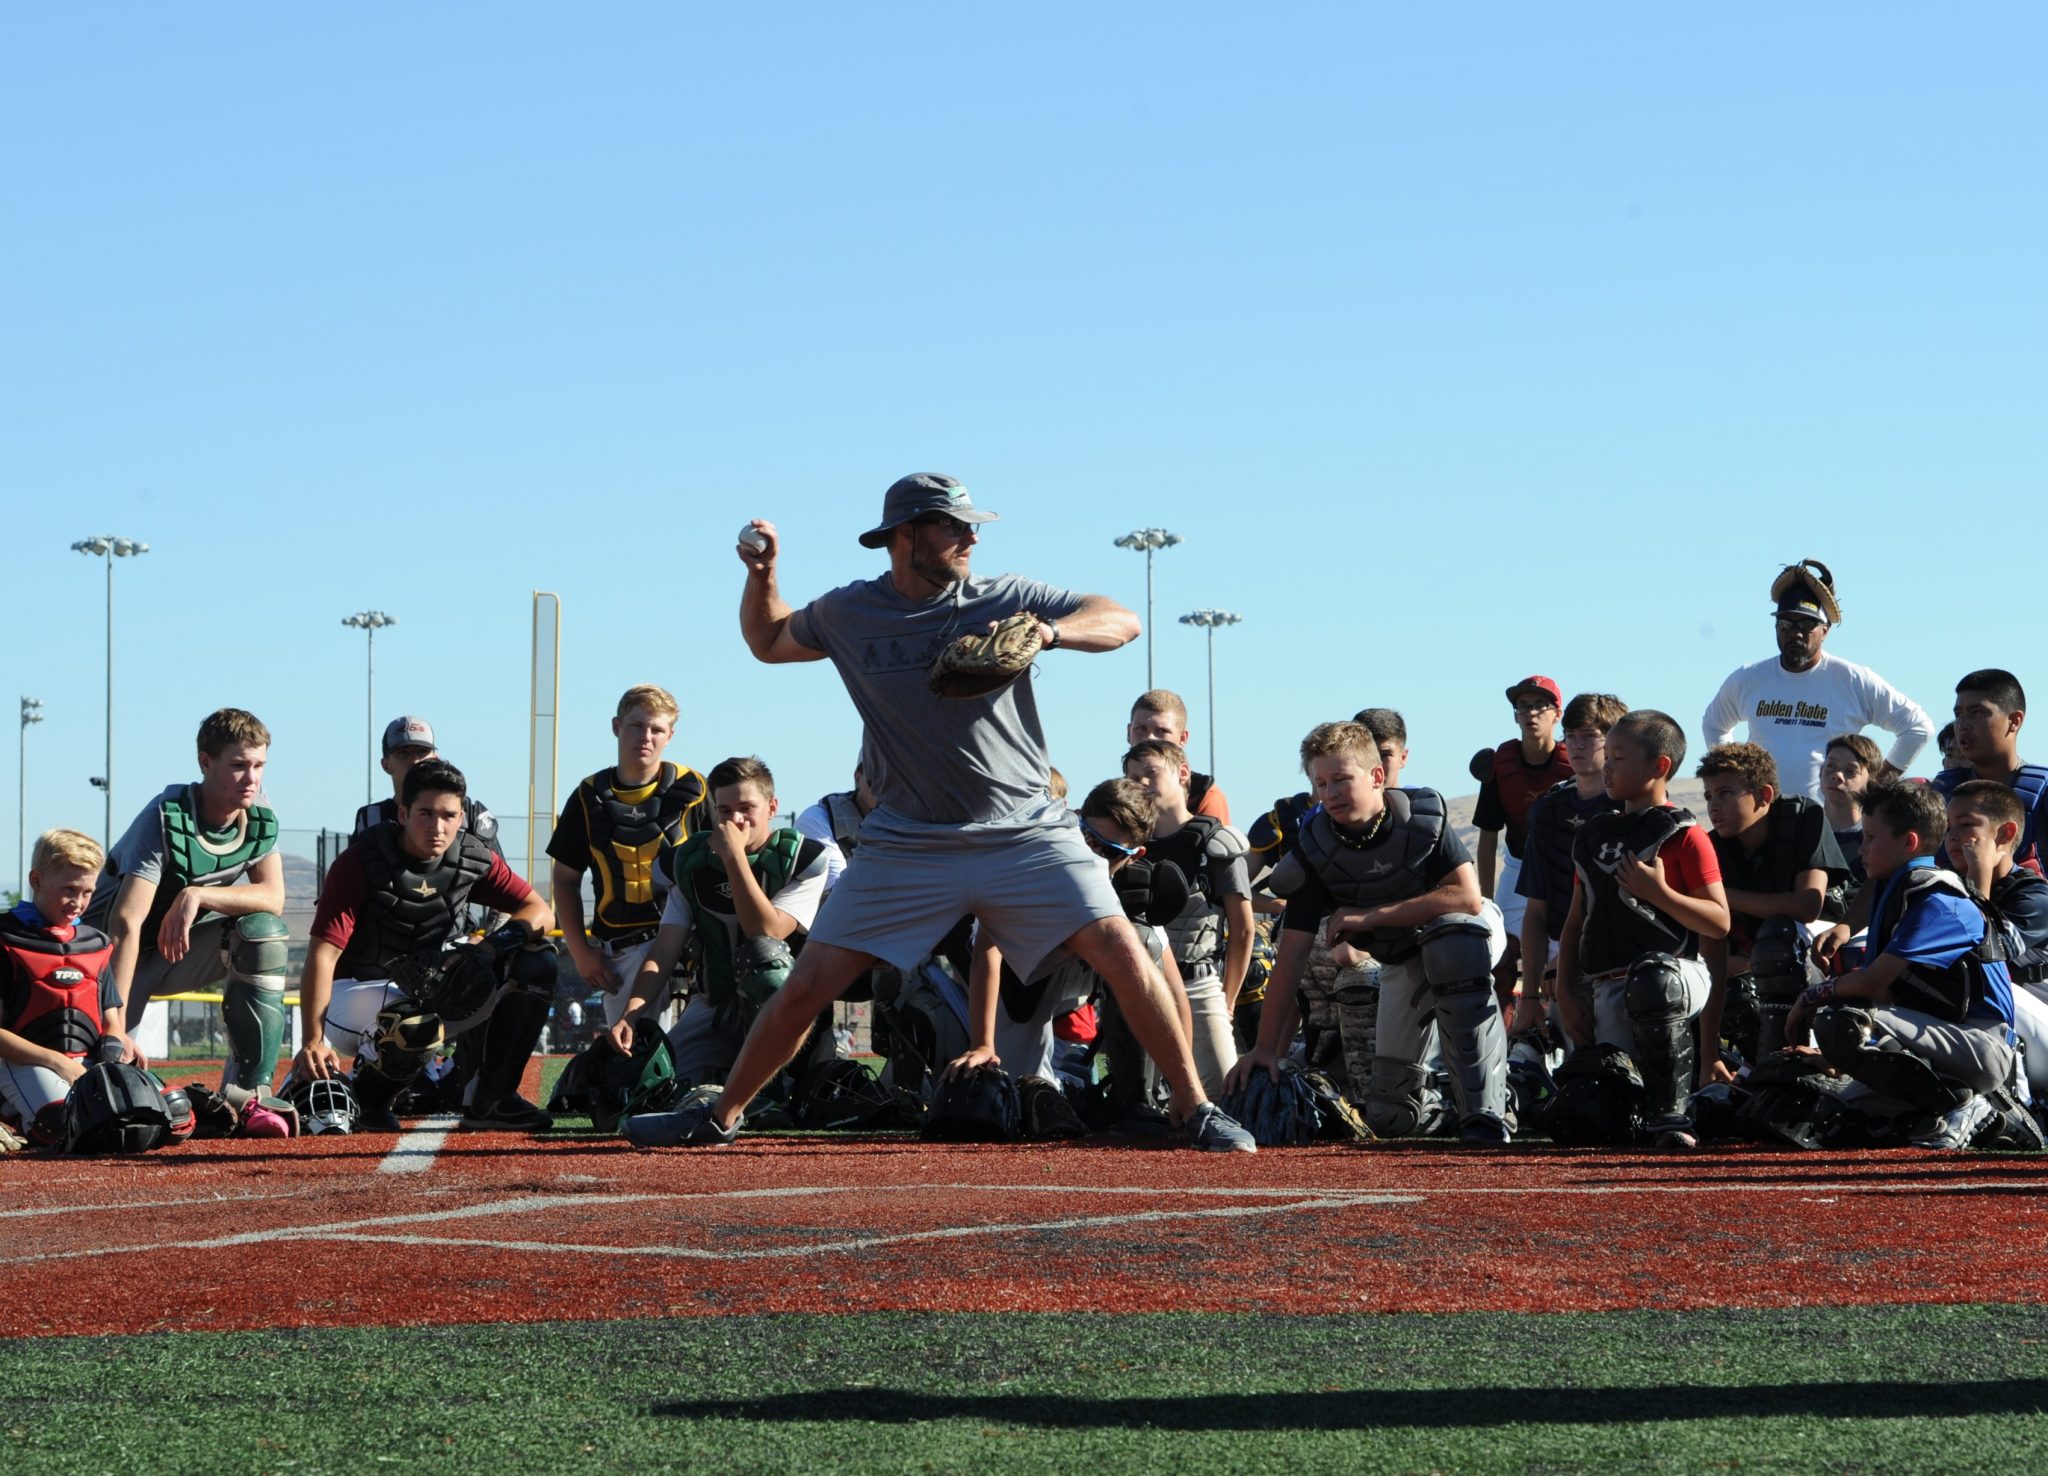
x=1053, y=641
x=1817, y=995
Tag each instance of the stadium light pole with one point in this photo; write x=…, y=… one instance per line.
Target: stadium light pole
x=31, y=712
x=107, y=546
x=1149, y=540
x=370, y=622
x=1209, y=620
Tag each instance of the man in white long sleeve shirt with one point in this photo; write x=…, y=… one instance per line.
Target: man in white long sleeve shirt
x=1797, y=700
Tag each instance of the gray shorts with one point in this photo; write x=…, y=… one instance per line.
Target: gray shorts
x=1033, y=885
x=204, y=965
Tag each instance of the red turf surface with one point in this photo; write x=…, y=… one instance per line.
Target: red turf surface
x=502, y=1228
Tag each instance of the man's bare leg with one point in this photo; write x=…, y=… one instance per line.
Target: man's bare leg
x=822, y=973
x=1110, y=946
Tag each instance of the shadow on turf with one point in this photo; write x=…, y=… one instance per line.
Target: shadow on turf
x=1371, y=1409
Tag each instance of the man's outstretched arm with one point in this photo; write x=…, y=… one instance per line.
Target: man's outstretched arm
x=764, y=614
x=1101, y=624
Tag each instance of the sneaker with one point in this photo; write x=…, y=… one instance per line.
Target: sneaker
x=1212, y=1130
x=1676, y=1140
x=377, y=1120
x=513, y=1114
x=689, y=1126
x=1485, y=1131
x=1956, y=1128
x=1883, y=1063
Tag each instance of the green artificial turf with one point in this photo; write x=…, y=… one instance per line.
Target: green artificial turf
x=1949, y=1389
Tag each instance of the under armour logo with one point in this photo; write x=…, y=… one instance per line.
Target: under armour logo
x=1609, y=854
x=424, y=889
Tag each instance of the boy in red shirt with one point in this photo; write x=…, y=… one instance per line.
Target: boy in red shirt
x=1629, y=971
x=1511, y=778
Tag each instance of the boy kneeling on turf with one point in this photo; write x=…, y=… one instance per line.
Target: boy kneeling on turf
x=1212, y=938
x=1926, y=1026
x=55, y=981
x=1778, y=861
x=1629, y=971
x=1391, y=875
x=1986, y=821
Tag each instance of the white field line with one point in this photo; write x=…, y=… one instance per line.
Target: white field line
x=414, y=1151
x=126, y=1206
x=1294, y=1199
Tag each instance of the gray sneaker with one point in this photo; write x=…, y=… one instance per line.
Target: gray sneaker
x=1958, y=1127
x=689, y=1125
x=1212, y=1130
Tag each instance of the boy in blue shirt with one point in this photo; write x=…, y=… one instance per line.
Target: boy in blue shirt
x=1926, y=1026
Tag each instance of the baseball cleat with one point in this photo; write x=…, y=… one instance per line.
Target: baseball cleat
x=1212, y=1130
x=1485, y=1131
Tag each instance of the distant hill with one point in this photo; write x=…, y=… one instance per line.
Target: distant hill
x=1687, y=793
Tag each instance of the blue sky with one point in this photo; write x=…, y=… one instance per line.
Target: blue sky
x=1457, y=343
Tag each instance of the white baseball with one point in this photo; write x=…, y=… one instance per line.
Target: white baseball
x=753, y=539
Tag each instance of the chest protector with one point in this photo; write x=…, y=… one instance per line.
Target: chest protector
x=1521, y=786
x=53, y=984
x=2031, y=785
x=194, y=859
x=1554, y=838
x=1388, y=868
x=1196, y=934
x=413, y=907
x=2026, y=960
x=846, y=819
x=629, y=840
x=1975, y=985
x=700, y=875
x=1784, y=858
x=1619, y=928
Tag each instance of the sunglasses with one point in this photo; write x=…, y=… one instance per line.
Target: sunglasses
x=1103, y=846
x=942, y=520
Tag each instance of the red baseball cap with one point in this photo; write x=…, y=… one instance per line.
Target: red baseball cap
x=1541, y=684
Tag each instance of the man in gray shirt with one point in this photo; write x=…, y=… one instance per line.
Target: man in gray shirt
x=962, y=822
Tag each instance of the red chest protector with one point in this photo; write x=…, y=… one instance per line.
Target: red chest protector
x=52, y=985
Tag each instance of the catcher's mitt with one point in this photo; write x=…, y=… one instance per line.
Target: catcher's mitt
x=1814, y=580
x=453, y=984
x=975, y=665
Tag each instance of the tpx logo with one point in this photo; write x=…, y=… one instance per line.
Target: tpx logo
x=66, y=974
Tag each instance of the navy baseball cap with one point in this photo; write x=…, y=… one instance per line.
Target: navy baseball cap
x=408, y=732
x=920, y=493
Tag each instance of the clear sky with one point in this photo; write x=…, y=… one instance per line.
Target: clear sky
x=1458, y=343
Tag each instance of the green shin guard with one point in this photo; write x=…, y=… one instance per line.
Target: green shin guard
x=255, y=1019
x=256, y=950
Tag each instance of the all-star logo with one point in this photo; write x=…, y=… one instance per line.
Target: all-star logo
x=636, y=813
x=1379, y=868
x=424, y=889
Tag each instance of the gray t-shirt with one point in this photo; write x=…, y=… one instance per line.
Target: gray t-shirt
x=948, y=761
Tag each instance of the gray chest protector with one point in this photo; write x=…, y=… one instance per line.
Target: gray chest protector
x=1196, y=934
x=1389, y=868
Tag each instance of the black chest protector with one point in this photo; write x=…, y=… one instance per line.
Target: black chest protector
x=2027, y=957
x=1976, y=984
x=1619, y=928
x=1390, y=867
x=1555, y=821
x=412, y=907
x=52, y=989
x=630, y=839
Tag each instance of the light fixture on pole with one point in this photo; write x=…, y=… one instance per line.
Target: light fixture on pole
x=370, y=622
x=31, y=712
x=1209, y=620
x=1148, y=539
x=107, y=546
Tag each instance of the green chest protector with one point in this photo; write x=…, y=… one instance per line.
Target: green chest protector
x=195, y=856
x=697, y=871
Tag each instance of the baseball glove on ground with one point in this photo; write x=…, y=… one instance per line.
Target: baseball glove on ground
x=453, y=984
x=975, y=665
